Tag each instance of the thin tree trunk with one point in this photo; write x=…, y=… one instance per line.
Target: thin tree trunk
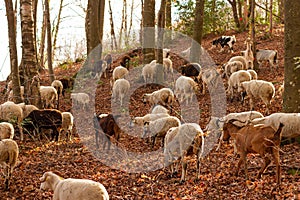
x=142, y=23
x=34, y=12
x=112, y=29
x=122, y=25
x=271, y=17
x=266, y=9
x=49, y=42
x=160, y=41
x=11, y=18
x=131, y=16
x=245, y=18
x=43, y=36
x=57, y=27
x=168, y=20
x=235, y=13
x=252, y=33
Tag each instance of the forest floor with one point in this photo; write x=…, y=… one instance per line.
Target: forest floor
x=127, y=174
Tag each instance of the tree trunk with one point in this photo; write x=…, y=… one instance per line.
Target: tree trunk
x=235, y=13
x=271, y=17
x=49, y=42
x=42, y=42
x=252, y=33
x=245, y=18
x=112, y=29
x=28, y=65
x=57, y=27
x=197, y=32
x=291, y=96
x=281, y=9
x=11, y=17
x=160, y=41
x=142, y=23
x=94, y=24
x=149, y=30
x=168, y=20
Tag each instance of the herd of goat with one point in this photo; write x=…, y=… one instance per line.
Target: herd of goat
x=251, y=131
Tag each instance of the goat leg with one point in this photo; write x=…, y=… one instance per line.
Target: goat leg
x=266, y=163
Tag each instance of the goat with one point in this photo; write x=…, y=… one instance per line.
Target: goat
x=259, y=139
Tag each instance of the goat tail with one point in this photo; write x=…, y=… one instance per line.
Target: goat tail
x=277, y=135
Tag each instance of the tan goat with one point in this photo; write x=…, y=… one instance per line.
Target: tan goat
x=259, y=139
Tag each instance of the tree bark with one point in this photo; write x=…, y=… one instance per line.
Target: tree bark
x=197, y=32
x=235, y=13
x=28, y=65
x=271, y=17
x=160, y=41
x=57, y=27
x=11, y=17
x=291, y=95
x=148, y=30
x=49, y=42
x=253, y=34
x=113, y=44
x=168, y=26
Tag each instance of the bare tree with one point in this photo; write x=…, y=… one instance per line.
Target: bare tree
x=271, y=18
x=252, y=33
x=11, y=18
x=168, y=21
x=42, y=41
x=57, y=27
x=235, y=13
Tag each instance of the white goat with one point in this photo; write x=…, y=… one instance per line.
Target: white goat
x=259, y=89
x=9, y=153
x=81, y=99
x=231, y=67
x=235, y=81
x=75, y=189
x=57, y=84
x=185, y=89
x=178, y=142
x=148, y=72
x=7, y=131
x=120, y=89
x=159, y=109
x=159, y=128
x=263, y=55
x=248, y=54
x=291, y=122
x=49, y=96
x=140, y=121
x=11, y=112
x=241, y=59
x=118, y=72
x=67, y=125
x=164, y=96
x=253, y=74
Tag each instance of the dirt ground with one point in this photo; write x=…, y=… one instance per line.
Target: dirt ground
x=124, y=172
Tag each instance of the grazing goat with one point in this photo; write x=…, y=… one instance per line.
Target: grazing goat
x=159, y=128
x=191, y=70
x=140, y=121
x=148, y=72
x=120, y=89
x=49, y=96
x=7, y=131
x=248, y=54
x=57, y=84
x=235, y=81
x=246, y=116
x=224, y=41
x=70, y=188
x=164, y=96
x=267, y=55
x=118, y=72
x=260, y=89
x=241, y=59
x=259, y=139
x=291, y=123
x=108, y=125
x=44, y=118
x=67, y=125
x=80, y=99
x=108, y=59
x=11, y=112
x=185, y=89
x=231, y=67
x=9, y=153
x=181, y=141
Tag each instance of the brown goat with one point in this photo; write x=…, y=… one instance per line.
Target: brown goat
x=106, y=124
x=259, y=139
